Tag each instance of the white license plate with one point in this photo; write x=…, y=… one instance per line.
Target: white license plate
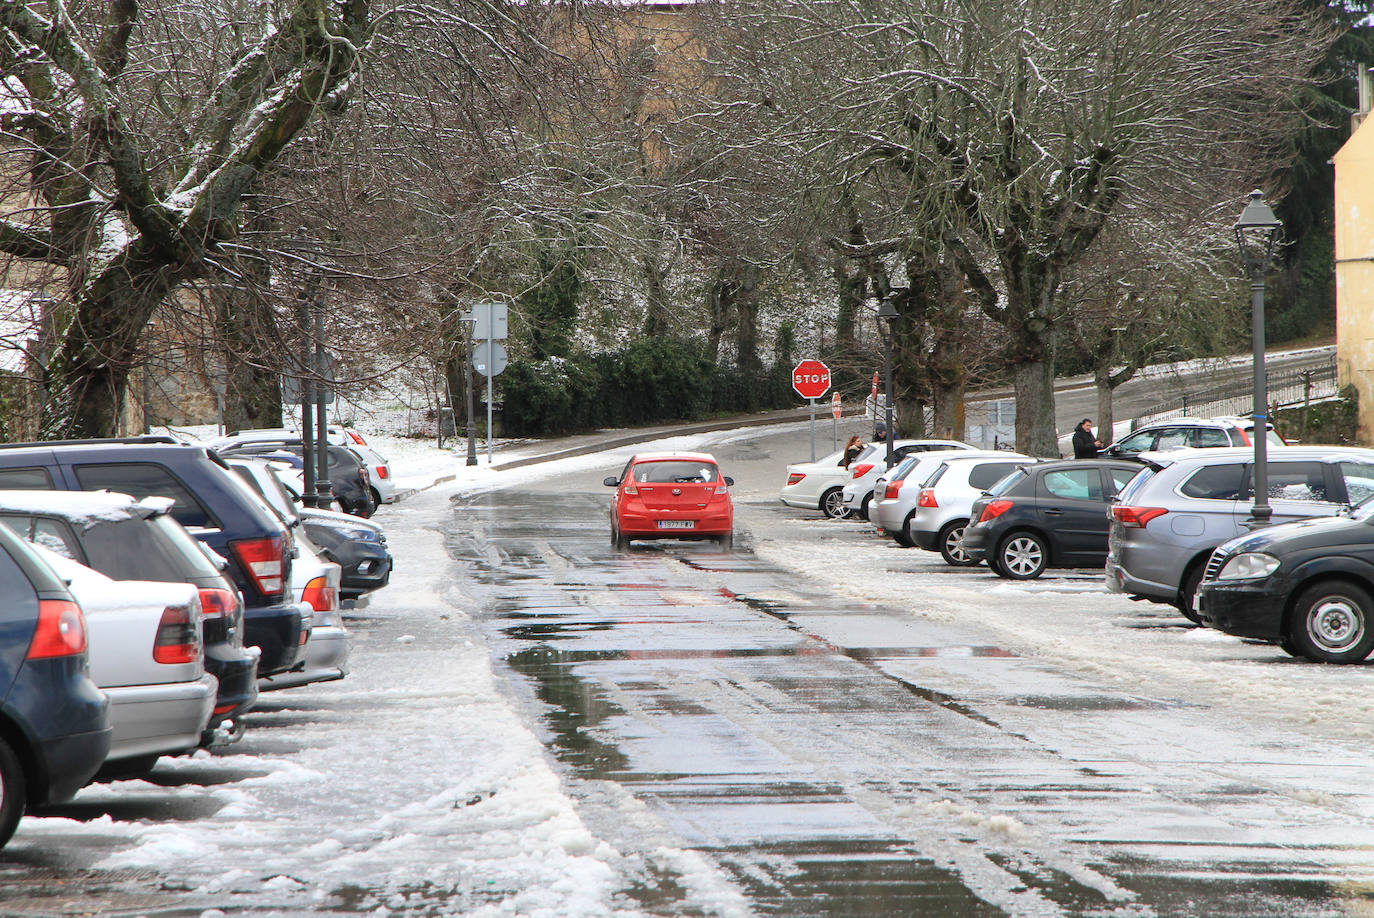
x=676, y=524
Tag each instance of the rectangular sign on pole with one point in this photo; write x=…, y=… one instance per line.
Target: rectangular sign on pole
x=490, y=321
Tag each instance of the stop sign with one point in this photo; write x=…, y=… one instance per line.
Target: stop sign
x=811, y=379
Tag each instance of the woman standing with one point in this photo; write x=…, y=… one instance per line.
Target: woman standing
x=852, y=450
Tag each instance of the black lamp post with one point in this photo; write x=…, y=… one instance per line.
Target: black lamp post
x=1257, y=233
x=887, y=314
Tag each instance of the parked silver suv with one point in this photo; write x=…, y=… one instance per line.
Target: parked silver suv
x=1183, y=504
x=1179, y=433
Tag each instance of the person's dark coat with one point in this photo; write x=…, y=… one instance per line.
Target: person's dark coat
x=1084, y=444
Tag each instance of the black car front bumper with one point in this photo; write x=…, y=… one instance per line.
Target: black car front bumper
x=1245, y=608
x=278, y=631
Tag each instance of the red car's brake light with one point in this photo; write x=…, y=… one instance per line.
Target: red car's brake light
x=1136, y=517
x=859, y=471
x=320, y=595
x=994, y=509
x=178, y=638
x=795, y=477
x=265, y=561
x=927, y=498
x=355, y=436
x=893, y=487
x=61, y=630
x=722, y=489
x=383, y=472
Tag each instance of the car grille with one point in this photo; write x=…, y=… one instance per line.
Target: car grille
x=1214, y=565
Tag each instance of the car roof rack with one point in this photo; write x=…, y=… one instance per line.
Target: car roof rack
x=99, y=441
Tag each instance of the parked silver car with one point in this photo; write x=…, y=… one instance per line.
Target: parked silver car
x=931, y=509
x=146, y=655
x=1180, y=433
x=1183, y=504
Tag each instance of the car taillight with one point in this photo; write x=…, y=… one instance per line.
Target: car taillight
x=994, y=509
x=367, y=479
x=927, y=498
x=383, y=472
x=1136, y=517
x=61, y=630
x=794, y=477
x=722, y=489
x=890, y=492
x=320, y=595
x=630, y=489
x=178, y=638
x=265, y=561
x=860, y=471
x=217, y=603
x=355, y=437
x=1244, y=436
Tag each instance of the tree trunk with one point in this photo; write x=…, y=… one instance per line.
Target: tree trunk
x=656, y=309
x=745, y=281
x=1102, y=381
x=1033, y=382
x=719, y=300
x=948, y=422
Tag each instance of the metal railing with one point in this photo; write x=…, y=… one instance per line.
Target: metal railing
x=1285, y=388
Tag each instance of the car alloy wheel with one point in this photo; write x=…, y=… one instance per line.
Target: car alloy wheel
x=1331, y=623
x=1022, y=556
x=832, y=504
x=948, y=540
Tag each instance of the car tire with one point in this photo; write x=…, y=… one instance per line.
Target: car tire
x=863, y=510
x=726, y=541
x=1287, y=646
x=1187, y=594
x=13, y=792
x=618, y=540
x=1333, y=622
x=376, y=498
x=902, y=536
x=832, y=504
x=948, y=540
x=1022, y=556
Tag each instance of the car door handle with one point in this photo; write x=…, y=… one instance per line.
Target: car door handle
x=1054, y=512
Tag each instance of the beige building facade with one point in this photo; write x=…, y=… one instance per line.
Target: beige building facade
x=1354, y=164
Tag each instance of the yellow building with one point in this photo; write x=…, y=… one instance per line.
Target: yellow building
x=1354, y=164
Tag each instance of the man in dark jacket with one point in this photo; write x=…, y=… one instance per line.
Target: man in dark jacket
x=1085, y=445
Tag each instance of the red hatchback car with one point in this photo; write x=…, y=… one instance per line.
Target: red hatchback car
x=671, y=496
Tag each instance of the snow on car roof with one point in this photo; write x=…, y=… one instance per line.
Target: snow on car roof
x=80, y=507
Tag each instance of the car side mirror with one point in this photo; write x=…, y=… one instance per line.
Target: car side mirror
x=729, y=481
x=611, y=482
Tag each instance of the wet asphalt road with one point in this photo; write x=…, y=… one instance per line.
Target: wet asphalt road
x=820, y=754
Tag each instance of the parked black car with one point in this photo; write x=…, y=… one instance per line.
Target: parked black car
x=1051, y=514
x=1307, y=586
x=54, y=721
x=141, y=541
x=348, y=476
x=207, y=500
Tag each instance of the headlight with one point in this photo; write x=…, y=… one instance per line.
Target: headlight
x=1249, y=565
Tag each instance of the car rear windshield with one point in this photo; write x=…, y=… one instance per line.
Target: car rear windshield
x=675, y=471
x=988, y=474
x=1006, y=484
x=153, y=549
x=1134, y=486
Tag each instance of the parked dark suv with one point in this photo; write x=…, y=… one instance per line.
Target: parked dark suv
x=348, y=476
x=54, y=722
x=207, y=500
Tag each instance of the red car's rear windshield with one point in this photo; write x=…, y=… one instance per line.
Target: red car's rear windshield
x=675, y=471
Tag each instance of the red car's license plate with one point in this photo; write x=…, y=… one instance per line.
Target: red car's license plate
x=676, y=524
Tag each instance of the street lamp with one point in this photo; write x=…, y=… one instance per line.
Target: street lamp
x=887, y=314
x=1257, y=233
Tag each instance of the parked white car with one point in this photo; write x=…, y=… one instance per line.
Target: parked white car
x=871, y=464
x=315, y=584
x=146, y=655
x=945, y=500
x=817, y=485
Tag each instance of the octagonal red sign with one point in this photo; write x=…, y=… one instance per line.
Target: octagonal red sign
x=811, y=379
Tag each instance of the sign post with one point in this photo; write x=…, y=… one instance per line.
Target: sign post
x=836, y=409
x=490, y=324
x=811, y=380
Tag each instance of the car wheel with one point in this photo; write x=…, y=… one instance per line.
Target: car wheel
x=376, y=498
x=727, y=541
x=618, y=540
x=902, y=536
x=948, y=540
x=832, y=504
x=863, y=510
x=1331, y=622
x=1288, y=647
x=1022, y=556
x=1187, y=594
x=12, y=792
